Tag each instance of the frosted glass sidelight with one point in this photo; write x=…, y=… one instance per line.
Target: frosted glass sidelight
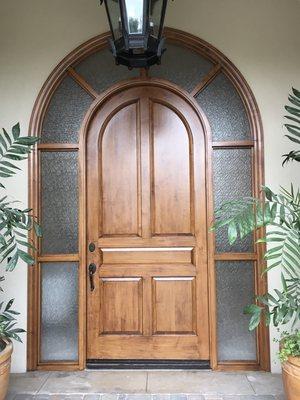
x=181, y=66
x=59, y=311
x=101, y=72
x=232, y=179
x=59, y=202
x=225, y=110
x=235, y=290
x=65, y=113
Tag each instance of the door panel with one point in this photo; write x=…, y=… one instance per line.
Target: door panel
x=120, y=184
x=146, y=214
x=171, y=175
x=121, y=305
x=174, y=306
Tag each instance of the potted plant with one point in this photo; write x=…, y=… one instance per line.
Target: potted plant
x=15, y=223
x=280, y=214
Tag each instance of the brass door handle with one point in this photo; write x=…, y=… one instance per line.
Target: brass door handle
x=92, y=269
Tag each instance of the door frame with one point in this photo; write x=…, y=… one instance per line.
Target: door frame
x=66, y=67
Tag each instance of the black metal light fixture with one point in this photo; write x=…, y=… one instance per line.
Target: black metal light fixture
x=136, y=27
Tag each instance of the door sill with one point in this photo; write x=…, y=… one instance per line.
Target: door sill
x=148, y=364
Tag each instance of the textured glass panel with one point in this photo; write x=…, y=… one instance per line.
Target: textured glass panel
x=65, y=113
x=59, y=317
x=181, y=66
x=59, y=199
x=235, y=290
x=232, y=174
x=224, y=110
x=101, y=72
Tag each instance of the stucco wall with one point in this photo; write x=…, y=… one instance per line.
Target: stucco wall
x=260, y=37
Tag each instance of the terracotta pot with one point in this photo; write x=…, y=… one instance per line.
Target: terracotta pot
x=291, y=378
x=5, y=357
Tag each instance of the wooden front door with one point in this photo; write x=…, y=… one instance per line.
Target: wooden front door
x=146, y=216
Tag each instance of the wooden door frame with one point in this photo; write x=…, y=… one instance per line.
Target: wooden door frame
x=221, y=63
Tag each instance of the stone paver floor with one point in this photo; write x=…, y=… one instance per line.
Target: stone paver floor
x=145, y=385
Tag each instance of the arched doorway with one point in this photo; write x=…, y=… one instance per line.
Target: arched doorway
x=232, y=145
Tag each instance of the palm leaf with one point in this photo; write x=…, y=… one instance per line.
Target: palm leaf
x=293, y=129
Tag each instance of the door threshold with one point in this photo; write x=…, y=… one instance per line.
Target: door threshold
x=148, y=364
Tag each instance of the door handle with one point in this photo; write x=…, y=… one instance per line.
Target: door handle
x=92, y=269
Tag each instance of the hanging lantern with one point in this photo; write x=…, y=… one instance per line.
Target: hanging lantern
x=136, y=27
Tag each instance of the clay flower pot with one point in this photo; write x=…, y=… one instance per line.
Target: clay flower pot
x=291, y=378
x=5, y=358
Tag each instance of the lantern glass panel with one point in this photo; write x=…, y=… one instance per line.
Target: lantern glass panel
x=113, y=8
x=156, y=8
x=135, y=16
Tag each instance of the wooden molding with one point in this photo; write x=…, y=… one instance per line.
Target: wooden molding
x=82, y=82
x=238, y=144
x=206, y=80
x=58, y=146
x=236, y=256
x=57, y=257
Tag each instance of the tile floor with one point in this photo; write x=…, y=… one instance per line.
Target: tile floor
x=145, y=385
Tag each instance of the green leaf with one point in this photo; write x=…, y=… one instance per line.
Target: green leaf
x=14, y=157
x=27, y=140
x=254, y=321
x=3, y=142
x=232, y=232
x=9, y=164
x=252, y=309
x=37, y=229
x=12, y=262
x=293, y=139
x=296, y=92
x=9, y=304
x=293, y=129
x=7, y=137
x=268, y=192
x=293, y=111
x=26, y=257
x=16, y=131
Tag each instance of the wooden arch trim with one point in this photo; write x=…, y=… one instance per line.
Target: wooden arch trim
x=221, y=63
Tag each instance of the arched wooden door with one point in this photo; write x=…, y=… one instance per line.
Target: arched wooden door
x=146, y=215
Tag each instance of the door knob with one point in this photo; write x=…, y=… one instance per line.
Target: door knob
x=92, y=269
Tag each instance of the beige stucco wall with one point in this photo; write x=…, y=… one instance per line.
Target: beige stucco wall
x=261, y=37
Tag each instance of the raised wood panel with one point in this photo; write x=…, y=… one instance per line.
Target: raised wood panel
x=172, y=174
x=121, y=305
x=155, y=241
x=147, y=270
x=173, y=305
x=120, y=156
x=145, y=255
x=157, y=347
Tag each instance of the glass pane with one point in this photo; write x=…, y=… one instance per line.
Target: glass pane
x=115, y=17
x=182, y=66
x=101, y=72
x=65, y=113
x=59, y=314
x=232, y=179
x=155, y=16
x=225, y=110
x=59, y=199
x=135, y=11
x=235, y=290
